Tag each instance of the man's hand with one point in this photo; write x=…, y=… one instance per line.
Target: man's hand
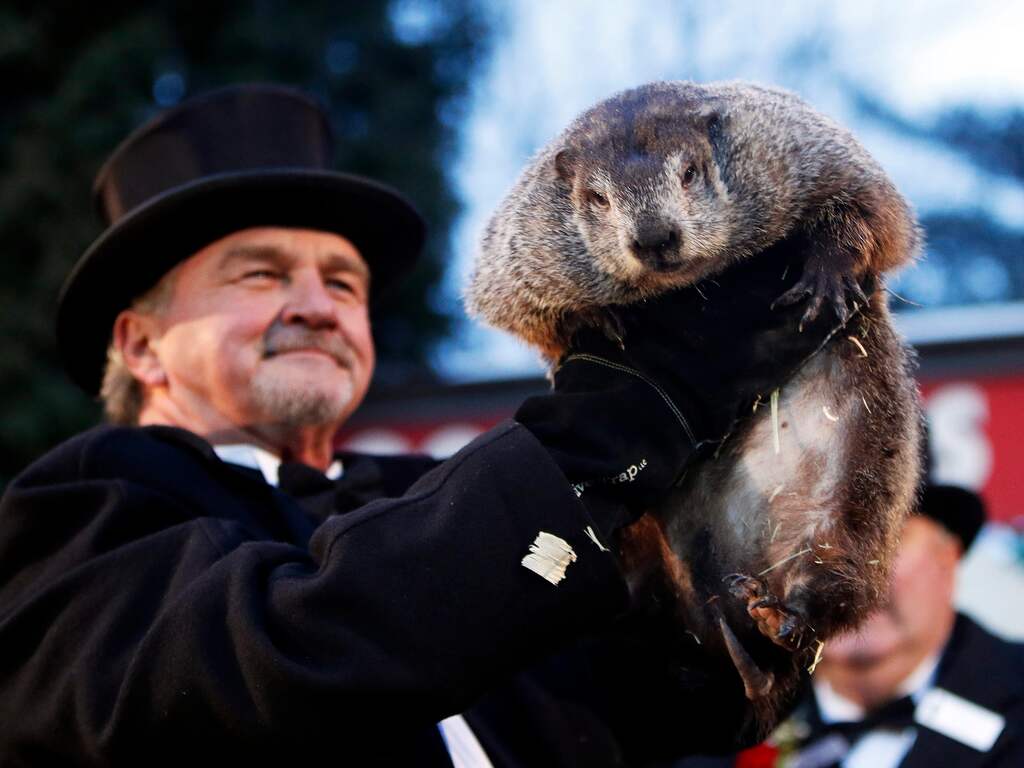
x=626, y=417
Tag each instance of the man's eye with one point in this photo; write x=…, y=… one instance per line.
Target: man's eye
x=260, y=274
x=341, y=285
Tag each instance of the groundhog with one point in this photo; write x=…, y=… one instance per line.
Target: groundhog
x=784, y=536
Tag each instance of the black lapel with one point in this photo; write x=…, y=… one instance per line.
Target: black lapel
x=975, y=666
x=280, y=515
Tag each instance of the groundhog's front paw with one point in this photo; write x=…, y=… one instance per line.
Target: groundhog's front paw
x=819, y=284
x=783, y=624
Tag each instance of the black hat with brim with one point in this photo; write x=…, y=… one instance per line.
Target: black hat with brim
x=246, y=156
x=958, y=510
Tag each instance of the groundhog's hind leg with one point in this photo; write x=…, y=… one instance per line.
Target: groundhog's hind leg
x=784, y=622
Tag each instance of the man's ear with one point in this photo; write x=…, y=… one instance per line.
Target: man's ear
x=134, y=336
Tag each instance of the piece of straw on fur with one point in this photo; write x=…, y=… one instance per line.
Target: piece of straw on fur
x=775, y=421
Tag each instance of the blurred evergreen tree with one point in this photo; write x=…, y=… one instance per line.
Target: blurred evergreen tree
x=994, y=139
x=972, y=256
x=978, y=255
x=78, y=79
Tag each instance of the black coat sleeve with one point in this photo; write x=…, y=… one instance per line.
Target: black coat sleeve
x=136, y=616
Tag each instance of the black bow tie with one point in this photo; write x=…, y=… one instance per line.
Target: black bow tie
x=301, y=480
x=828, y=743
x=892, y=716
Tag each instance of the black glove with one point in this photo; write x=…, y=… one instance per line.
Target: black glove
x=624, y=419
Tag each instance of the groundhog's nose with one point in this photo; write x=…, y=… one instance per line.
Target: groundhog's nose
x=655, y=246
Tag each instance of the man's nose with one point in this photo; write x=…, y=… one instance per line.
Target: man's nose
x=309, y=302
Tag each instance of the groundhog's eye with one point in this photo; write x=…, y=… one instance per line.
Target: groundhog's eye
x=689, y=175
x=596, y=198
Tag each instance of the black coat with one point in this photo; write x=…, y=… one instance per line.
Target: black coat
x=975, y=665
x=989, y=671
x=159, y=605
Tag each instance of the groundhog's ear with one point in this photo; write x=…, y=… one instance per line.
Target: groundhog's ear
x=716, y=126
x=565, y=165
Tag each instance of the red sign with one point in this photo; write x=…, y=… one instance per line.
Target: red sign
x=435, y=438
x=976, y=427
x=977, y=438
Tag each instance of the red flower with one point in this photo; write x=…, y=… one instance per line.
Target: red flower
x=761, y=756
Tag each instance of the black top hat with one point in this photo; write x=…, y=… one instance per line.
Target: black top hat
x=958, y=510
x=243, y=156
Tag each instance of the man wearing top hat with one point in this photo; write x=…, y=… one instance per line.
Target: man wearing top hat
x=919, y=685
x=206, y=578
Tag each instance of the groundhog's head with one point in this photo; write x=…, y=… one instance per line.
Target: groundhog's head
x=643, y=173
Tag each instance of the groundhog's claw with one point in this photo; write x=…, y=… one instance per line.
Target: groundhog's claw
x=791, y=630
x=783, y=624
x=819, y=285
x=744, y=587
x=794, y=295
x=613, y=327
x=854, y=290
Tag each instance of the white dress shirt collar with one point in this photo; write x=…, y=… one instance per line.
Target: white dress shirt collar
x=254, y=457
x=835, y=708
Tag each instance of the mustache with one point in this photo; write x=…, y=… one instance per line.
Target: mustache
x=281, y=338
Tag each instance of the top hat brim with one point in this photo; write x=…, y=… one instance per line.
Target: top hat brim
x=133, y=254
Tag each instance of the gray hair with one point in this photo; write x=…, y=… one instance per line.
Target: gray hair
x=121, y=393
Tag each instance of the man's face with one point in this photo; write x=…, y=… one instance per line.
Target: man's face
x=916, y=620
x=269, y=326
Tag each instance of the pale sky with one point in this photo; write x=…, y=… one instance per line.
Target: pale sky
x=552, y=60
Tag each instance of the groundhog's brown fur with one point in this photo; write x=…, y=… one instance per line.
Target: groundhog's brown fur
x=661, y=187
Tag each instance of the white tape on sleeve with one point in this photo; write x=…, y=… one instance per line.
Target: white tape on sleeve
x=549, y=557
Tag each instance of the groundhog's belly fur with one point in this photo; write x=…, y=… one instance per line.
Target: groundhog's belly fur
x=795, y=520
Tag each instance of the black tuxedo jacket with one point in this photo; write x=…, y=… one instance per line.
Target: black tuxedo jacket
x=989, y=671
x=975, y=665
x=158, y=605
